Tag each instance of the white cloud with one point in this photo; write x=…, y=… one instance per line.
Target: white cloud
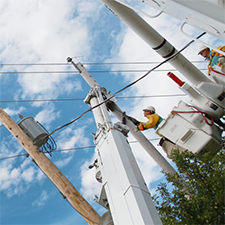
x=70, y=137
x=63, y=162
x=17, y=179
x=47, y=86
x=47, y=115
x=41, y=200
x=28, y=174
x=45, y=31
x=51, y=29
x=12, y=112
x=9, y=178
x=9, y=147
x=149, y=168
x=40, y=176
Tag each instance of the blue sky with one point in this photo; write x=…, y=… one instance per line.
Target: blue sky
x=49, y=31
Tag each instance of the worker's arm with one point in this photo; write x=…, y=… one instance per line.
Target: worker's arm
x=152, y=121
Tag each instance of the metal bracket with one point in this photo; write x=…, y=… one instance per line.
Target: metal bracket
x=102, y=199
x=122, y=128
x=90, y=95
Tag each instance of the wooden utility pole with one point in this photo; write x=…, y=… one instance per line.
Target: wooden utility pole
x=51, y=171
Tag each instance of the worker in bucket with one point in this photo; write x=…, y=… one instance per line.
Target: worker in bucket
x=153, y=122
x=153, y=119
x=215, y=59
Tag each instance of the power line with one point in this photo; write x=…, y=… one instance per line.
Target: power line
x=153, y=96
x=81, y=99
x=59, y=150
x=70, y=149
x=129, y=85
x=34, y=64
x=87, y=63
x=110, y=63
x=13, y=156
x=91, y=71
x=41, y=100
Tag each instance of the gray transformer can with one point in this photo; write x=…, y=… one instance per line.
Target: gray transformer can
x=36, y=133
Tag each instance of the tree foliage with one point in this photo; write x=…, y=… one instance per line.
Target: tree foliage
x=196, y=194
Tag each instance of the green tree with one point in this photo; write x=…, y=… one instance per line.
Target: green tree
x=196, y=195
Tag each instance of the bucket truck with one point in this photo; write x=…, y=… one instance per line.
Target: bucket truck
x=185, y=126
x=206, y=15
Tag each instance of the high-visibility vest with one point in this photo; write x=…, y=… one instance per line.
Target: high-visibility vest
x=213, y=54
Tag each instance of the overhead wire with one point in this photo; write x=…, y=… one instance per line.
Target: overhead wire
x=85, y=63
x=70, y=149
x=129, y=85
x=91, y=71
x=93, y=64
x=121, y=63
x=59, y=150
x=13, y=156
x=79, y=99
